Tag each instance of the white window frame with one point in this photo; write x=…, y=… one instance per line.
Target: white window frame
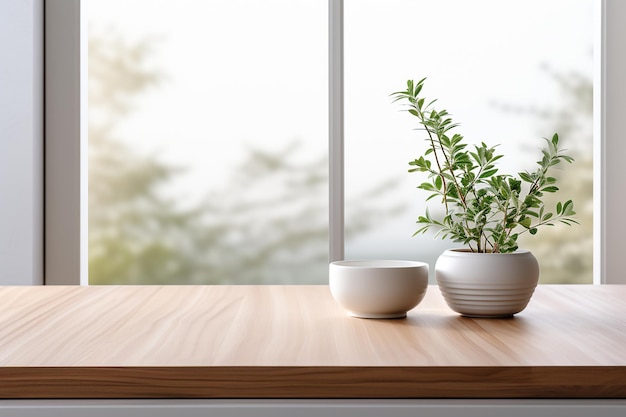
x=66, y=171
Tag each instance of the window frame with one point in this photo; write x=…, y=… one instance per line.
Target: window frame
x=66, y=164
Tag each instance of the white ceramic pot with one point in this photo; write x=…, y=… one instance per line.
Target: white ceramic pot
x=378, y=289
x=487, y=284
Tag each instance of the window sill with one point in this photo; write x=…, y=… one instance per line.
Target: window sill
x=295, y=342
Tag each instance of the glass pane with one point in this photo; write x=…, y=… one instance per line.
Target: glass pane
x=509, y=72
x=208, y=141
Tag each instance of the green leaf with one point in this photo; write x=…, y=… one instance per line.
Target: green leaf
x=525, y=176
x=532, y=213
x=427, y=186
x=525, y=222
x=550, y=189
x=555, y=139
x=568, y=208
x=489, y=173
x=421, y=230
x=515, y=185
x=417, y=90
x=438, y=182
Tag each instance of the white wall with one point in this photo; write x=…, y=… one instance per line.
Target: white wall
x=21, y=142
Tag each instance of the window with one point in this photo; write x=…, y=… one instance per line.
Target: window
x=207, y=141
x=72, y=239
x=509, y=74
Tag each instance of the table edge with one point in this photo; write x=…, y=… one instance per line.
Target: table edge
x=313, y=382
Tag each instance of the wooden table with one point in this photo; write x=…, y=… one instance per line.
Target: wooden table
x=295, y=342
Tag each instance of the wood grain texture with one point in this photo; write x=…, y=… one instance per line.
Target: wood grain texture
x=296, y=342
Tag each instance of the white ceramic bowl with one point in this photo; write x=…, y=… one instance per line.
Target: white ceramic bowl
x=378, y=289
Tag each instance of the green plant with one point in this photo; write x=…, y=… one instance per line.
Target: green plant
x=484, y=209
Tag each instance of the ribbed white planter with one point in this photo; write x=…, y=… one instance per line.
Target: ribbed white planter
x=487, y=284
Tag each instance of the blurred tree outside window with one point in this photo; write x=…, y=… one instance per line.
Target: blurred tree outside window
x=208, y=129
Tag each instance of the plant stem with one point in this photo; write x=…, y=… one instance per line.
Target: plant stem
x=440, y=170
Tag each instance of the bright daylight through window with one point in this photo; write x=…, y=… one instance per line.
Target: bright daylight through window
x=208, y=129
x=208, y=141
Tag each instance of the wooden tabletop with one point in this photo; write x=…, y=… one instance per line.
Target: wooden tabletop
x=296, y=342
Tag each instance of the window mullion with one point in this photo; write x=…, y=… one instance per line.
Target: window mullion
x=336, y=127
